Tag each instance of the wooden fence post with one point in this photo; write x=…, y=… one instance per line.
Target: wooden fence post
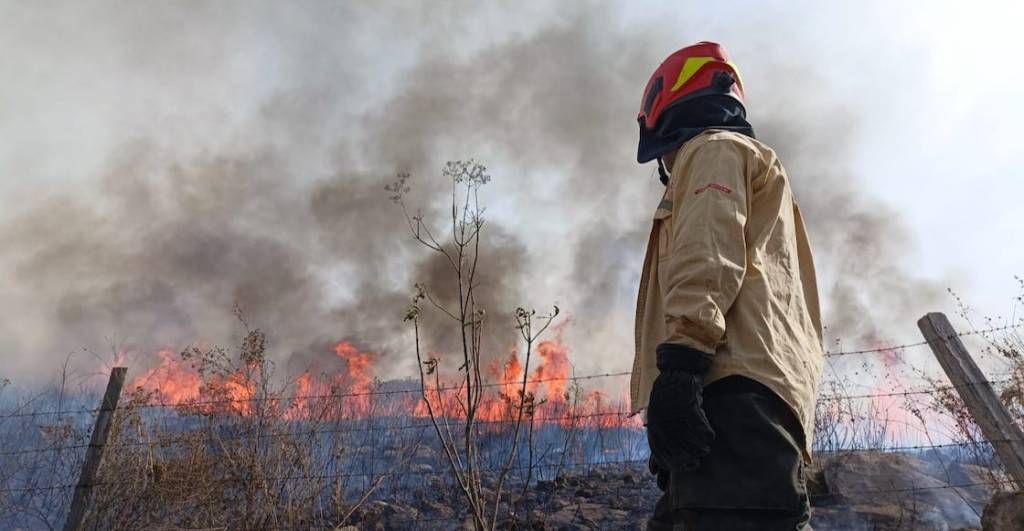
x=988, y=411
x=94, y=454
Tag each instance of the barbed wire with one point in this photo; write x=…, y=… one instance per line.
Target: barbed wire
x=460, y=422
x=903, y=448
x=916, y=447
x=893, y=348
x=195, y=404
x=535, y=466
x=385, y=392
x=514, y=385
x=912, y=392
x=58, y=412
x=188, y=404
x=43, y=450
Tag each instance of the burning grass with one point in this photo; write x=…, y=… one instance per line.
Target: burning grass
x=207, y=439
x=236, y=450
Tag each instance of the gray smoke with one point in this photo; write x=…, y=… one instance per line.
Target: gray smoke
x=253, y=167
x=860, y=244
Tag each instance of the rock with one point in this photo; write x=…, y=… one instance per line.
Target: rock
x=1005, y=512
x=894, y=490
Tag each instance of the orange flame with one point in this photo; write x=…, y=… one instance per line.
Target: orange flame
x=173, y=382
x=352, y=392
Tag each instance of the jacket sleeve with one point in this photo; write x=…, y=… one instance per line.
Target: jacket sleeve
x=706, y=249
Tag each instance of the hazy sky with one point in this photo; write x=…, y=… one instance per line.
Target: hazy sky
x=165, y=161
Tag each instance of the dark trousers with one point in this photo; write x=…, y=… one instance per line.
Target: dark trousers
x=754, y=477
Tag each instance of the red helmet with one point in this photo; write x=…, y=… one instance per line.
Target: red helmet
x=698, y=70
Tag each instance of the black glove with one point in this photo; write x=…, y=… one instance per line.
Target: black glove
x=677, y=430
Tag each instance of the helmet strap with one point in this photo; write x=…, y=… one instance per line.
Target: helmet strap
x=662, y=173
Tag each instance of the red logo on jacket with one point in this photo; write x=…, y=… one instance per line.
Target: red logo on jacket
x=713, y=186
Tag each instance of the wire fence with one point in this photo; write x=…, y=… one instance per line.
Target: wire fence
x=461, y=387
x=572, y=418
x=620, y=419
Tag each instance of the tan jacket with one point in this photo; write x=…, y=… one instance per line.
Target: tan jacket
x=728, y=270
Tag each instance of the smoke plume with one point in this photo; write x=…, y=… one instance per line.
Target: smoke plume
x=236, y=155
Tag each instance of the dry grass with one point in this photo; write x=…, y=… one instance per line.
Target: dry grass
x=205, y=465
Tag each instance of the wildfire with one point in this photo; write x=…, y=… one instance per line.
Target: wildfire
x=174, y=382
x=546, y=396
x=359, y=366
x=171, y=380
x=352, y=391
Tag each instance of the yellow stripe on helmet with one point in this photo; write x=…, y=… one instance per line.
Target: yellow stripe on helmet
x=692, y=65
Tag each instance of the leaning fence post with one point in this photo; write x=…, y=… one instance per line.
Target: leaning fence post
x=94, y=454
x=988, y=411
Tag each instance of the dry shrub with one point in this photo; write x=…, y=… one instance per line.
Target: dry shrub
x=486, y=495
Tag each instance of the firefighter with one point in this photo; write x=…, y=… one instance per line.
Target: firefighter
x=728, y=331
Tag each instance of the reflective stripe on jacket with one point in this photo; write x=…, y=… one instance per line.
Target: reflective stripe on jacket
x=728, y=270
